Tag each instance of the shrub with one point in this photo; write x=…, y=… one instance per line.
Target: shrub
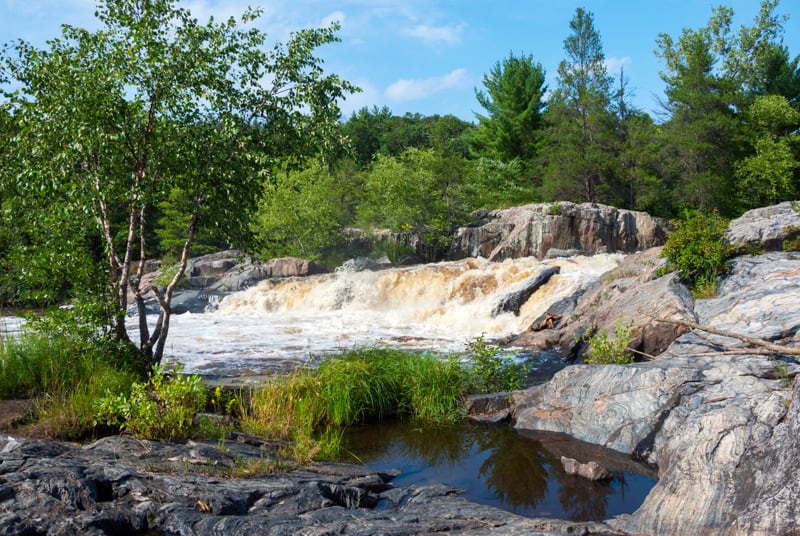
x=605, y=350
x=492, y=371
x=699, y=250
x=161, y=408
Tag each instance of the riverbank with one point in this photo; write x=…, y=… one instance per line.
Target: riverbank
x=718, y=419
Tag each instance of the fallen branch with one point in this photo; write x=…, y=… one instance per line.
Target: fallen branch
x=772, y=347
x=643, y=354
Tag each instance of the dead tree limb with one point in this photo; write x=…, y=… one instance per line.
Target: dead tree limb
x=772, y=347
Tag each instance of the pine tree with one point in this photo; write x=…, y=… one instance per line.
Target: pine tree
x=579, y=160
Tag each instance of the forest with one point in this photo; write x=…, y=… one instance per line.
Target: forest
x=114, y=150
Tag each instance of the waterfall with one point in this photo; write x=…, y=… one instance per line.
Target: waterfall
x=438, y=307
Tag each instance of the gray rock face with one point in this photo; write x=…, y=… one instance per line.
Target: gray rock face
x=715, y=424
x=766, y=227
x=122, y=486
x=362, y=264
x=630, y=294
x=211, y=276
x=532, y=230
x=759, y=298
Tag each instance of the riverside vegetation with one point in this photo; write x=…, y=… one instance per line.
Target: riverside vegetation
x=85, y=383
x=81, y=390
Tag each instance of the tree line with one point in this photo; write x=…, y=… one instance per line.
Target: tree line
x=161, y=136
x=727, y=141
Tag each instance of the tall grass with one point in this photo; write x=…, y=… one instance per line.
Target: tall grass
x=64, y=375
x=360, y=386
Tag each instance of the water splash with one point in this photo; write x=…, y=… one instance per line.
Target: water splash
x=438, y=307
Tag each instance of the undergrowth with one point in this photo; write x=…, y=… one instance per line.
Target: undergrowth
x=311, y=407
x=699, y=249
x=605, y=348
x=63, y=374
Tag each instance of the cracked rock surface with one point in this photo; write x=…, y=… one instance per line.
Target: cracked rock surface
x=122, y=486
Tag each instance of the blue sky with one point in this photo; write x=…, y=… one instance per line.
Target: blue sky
x=428, y=56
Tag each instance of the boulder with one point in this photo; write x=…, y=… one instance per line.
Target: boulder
x=766, y=227
x=492, y=407
x=590, y=470
x=292, y=267
x=516, y=298
x=533, y=230
x=191, y=301
x=631, y=294
x=212, y=265
x=362, y=264
x=634, y=303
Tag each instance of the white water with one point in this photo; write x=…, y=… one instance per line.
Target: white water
x=10, y=325
x=438, y=307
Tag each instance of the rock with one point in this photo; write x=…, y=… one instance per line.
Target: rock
x=590, y=470
x=766, y=227
x=292, y=267
x=241, y=277
x=514, y=300
x=361, y=264
x=533, y=230
x=613, y=406
x=191, y=301
x=759, y=298
x=212, y=265
x=769, y=485
x=201, y=281
x=119, y=485
x=631, y=295
x=715, y=425
x=492, y=407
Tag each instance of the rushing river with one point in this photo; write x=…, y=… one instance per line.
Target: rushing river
x=437, y=307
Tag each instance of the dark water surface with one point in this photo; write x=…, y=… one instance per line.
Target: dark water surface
x=499, y=466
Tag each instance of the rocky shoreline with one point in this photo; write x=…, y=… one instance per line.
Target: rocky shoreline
x=119, y=485
x=719, y=420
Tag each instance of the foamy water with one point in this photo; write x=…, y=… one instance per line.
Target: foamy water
x=437, y=307
x=10, y=325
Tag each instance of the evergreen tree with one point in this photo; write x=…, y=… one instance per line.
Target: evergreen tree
x=700, y=143
x=712, y=76
x=514, y=101
x=579, y=161
x=637, y=183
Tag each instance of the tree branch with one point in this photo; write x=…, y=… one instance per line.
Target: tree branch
x=772, y=347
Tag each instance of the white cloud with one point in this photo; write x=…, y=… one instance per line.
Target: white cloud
x=449, y=35
x=368, y=96
x=406, y=90
x=336, y=16
x=613, y=65
x=202, y=10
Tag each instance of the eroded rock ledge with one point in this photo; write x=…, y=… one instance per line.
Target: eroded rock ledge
x=120, y=485
x=556, y=229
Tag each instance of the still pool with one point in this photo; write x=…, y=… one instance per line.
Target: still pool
x=498, y=466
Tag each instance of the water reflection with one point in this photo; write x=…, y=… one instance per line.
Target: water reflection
x=496, y=465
